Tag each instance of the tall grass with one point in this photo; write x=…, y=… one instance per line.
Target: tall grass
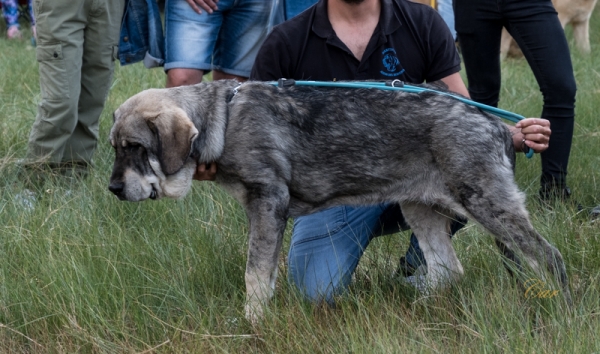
x=83, y=272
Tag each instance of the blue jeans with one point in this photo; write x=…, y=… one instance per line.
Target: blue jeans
x=444, y=8
x=326, y=246
x=226, y=40
x=535, y=27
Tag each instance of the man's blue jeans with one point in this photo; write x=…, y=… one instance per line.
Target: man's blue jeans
x=326, y=246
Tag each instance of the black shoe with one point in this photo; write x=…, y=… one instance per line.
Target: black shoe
x=405, y=269
x=550, y=194
x=553, y=192
x=595, y=213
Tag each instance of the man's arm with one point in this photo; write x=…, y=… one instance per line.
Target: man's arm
x=532, y=132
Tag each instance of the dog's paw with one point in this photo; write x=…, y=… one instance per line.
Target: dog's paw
x=253, y=312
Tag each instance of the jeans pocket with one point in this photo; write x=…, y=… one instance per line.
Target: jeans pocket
x=53, y=73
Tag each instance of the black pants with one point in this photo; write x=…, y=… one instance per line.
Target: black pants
x=535, y=27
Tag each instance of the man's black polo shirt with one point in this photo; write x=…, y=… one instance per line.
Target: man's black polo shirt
x=411, y=43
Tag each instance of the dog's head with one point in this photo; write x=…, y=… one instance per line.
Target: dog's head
x=152, y=137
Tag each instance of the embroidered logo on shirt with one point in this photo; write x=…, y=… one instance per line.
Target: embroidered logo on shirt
x=391, y=63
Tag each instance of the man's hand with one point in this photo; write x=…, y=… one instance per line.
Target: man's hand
x=208, y=5
x=531, y=132
x=206, y=173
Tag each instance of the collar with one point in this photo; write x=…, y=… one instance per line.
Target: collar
x=388, y=20
x=233, y=92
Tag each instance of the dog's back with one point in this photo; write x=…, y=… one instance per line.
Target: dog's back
x=361, y=146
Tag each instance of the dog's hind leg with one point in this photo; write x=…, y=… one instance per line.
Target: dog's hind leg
x=499, y=207
x=267, y=210
x=431, y=226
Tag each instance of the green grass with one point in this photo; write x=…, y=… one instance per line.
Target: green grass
x=84, y=272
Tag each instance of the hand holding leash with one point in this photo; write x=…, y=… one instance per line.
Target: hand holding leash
x=533, y=133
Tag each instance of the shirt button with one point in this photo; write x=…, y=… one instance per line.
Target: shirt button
x=125, y=39
x=55, y=55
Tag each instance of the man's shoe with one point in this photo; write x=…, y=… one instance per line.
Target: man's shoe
x=595, y=213
x=553, y=192
x=413, y=276
x=550, y=194
x=418, y=282
x=404, y=269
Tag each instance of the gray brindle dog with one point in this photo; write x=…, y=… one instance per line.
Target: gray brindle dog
x=285, y=152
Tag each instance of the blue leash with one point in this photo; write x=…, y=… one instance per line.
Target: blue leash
x=398, y=85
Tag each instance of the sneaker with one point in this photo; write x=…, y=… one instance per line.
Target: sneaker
x=413, y=276
x=404, y=269
x=13, y=32
x=418, y=282
x=595, y=213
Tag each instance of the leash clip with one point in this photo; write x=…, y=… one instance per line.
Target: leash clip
x=395, y=83
x=235, y=89
x=283, y=82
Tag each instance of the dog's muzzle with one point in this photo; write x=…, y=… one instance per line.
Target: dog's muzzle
x=118, y=189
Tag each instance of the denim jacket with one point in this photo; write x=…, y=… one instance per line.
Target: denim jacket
x=142, y=34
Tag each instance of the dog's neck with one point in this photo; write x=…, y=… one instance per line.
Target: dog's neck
x=206, y=104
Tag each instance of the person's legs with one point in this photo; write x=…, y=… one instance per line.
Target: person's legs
x=444, y=8
x=100, y=48
x=244, y=29
x=10, y=12
x=32, y=19
x=183, y=77
x=326, y=247
x=190, y=39
x=59, y=52
x=219, y=75
x=479, y=27
x=541, y=38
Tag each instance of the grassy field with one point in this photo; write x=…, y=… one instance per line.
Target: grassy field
x=83, y=272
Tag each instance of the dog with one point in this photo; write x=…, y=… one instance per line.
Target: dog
x=577, y=13
x=289, y=151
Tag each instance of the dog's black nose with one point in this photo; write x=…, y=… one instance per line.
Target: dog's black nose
x=117, y=188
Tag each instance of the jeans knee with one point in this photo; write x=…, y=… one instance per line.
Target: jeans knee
x=316, y=283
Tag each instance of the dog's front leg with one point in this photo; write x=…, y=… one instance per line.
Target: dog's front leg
x=267, y=215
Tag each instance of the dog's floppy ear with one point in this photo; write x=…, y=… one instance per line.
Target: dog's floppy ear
x=175, y=134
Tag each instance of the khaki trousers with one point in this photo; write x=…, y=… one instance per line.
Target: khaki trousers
x=76, y=50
